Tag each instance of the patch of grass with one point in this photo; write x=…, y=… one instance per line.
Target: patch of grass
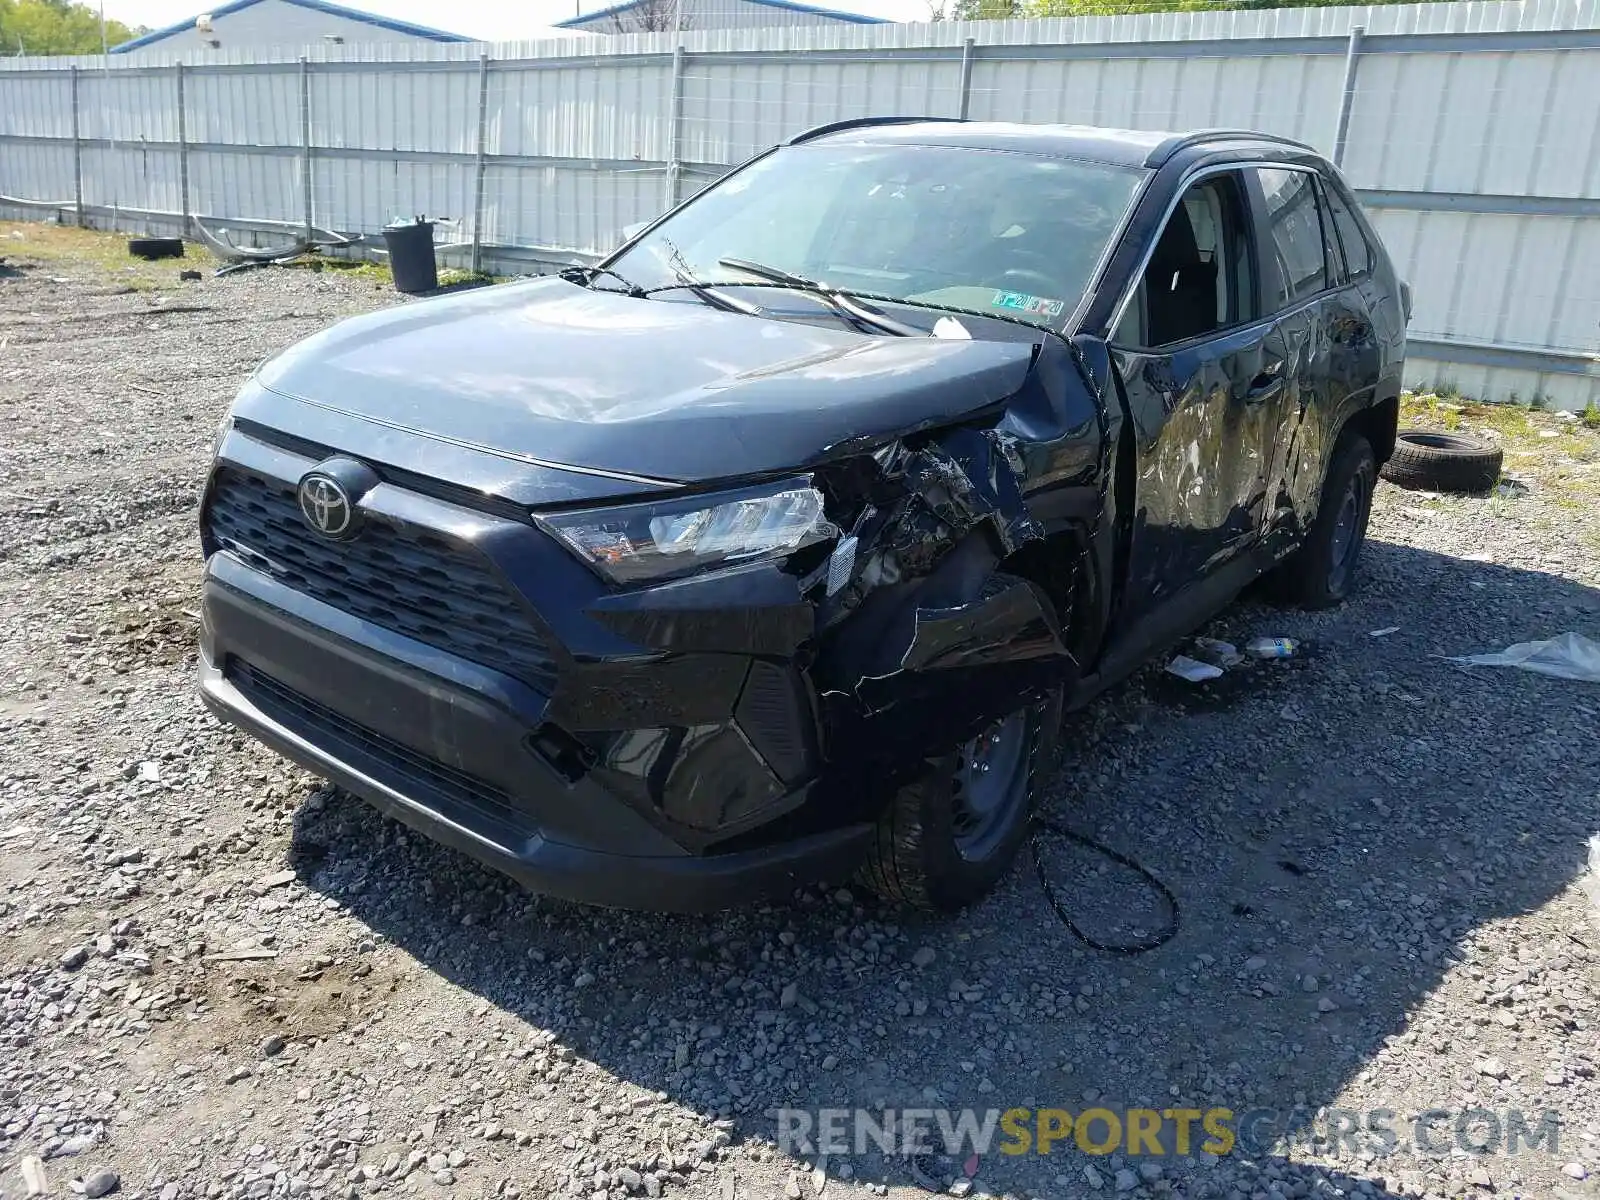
x=1558, y=468
x=1591, y=415
x=1511, y=423
x=345, y=268
x=378, y=273
x=1418, y=408
x=1579, y=447
x=105, y=254
x=450, y=277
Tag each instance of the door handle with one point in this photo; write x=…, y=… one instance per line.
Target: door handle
x=1264, y=386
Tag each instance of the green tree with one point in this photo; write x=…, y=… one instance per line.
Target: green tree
x=55, y=27
x=988, y=10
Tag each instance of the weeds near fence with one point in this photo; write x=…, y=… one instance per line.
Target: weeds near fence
x=107, y=253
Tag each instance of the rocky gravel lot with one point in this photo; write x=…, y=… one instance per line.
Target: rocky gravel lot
x=221, y=979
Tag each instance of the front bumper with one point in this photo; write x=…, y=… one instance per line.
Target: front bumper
x=462, y=672
x=390, y=753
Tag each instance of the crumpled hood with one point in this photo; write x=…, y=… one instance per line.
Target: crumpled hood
x=682, y=392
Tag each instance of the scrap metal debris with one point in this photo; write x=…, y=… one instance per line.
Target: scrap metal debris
x=239, y=258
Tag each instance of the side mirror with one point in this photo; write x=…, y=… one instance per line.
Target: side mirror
x=629, y=232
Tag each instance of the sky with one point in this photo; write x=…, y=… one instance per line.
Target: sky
x=491, y=20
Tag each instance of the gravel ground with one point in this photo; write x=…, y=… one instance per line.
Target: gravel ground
x=221, y=979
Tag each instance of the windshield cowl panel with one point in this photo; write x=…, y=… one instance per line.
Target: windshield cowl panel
x=988, y=233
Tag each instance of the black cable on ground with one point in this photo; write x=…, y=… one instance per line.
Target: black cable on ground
x=1043, y=826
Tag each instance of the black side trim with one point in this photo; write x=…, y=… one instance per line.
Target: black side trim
x=1182, y=614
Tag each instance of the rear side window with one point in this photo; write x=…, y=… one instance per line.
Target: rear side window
x=1330, y=241
x=1357, y=254
x=1296, y=234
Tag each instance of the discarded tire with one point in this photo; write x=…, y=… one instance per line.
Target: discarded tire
x=1442, y=462
x=155, y=247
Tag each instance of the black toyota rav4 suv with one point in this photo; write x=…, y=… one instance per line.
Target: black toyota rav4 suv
x=771, y=548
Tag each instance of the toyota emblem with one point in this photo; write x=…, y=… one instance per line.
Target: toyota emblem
x=326, y=505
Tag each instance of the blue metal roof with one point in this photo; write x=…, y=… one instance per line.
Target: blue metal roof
x=787, y=5
x=321, y=6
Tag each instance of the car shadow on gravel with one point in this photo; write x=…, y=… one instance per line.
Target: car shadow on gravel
x=1335, y=834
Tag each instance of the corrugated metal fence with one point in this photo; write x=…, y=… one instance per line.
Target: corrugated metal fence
x=1471, y=131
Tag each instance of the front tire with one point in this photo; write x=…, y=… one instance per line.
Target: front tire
x=949, y=837
x=1321, y=573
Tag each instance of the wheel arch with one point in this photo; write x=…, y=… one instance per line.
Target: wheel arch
x=1379, y=423
x=1063, y=565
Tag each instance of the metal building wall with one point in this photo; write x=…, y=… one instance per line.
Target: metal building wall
x=286, y=27
x=712, y=14
x=1472, y=133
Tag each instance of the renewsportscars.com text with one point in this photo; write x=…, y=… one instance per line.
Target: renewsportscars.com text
x=1165, y=1131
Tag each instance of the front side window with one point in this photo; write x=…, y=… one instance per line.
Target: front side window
x=1199, y=276
x=992, y=232
x=1295, y=229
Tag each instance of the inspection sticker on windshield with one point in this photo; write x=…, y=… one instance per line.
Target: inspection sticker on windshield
x=1041, y=306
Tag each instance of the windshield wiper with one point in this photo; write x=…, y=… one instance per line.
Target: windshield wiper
x=788, y=279
x=586, y=276
x=841, y=302
x=686, y=279
x=882, y=297
x=933, y=306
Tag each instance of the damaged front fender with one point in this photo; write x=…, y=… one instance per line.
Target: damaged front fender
x=1009, y=621
x=963, y=666
x=942, y=668
x=928, y=637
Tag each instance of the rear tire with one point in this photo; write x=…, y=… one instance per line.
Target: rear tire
x=934, y=848
x=1321, y=573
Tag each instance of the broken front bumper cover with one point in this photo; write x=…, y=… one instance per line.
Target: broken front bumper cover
x=441, y=744
x=669, y=883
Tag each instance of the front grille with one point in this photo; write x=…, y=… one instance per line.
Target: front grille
x=372, y=753
x=413, y=582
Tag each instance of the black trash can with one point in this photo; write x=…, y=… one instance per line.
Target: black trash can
x=411, y=259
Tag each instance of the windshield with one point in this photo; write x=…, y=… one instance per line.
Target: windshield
x=993, y=232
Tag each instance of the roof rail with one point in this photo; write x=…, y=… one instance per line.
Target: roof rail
x=1173, y=144
x=860, y=123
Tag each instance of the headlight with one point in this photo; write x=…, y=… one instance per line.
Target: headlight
x=668, y=538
